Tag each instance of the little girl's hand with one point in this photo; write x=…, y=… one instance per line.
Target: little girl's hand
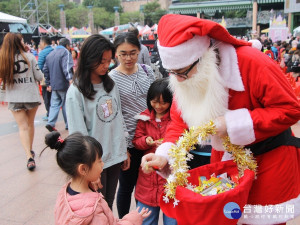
x=96, y=185
x=149, y=141
x=145, y=212
x=158, y=142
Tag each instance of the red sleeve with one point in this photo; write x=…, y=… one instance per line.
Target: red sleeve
x=176, y=127
x=267, y=107
x=280, y=105
x=139, y=140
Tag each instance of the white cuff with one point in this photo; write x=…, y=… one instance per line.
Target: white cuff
x=240, y=127
x=163, y=149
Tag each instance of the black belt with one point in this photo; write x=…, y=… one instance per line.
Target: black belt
x=284, y=138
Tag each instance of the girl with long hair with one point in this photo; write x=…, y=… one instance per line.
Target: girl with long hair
x=93, y=108
x=19, y=73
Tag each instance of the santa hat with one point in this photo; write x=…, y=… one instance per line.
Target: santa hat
x=256, y=44
x=184, y=39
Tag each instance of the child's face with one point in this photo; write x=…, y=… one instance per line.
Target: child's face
x=74, y=54
x=104, y=65
x=127, y=54
x=96, y=170
x=159, y=105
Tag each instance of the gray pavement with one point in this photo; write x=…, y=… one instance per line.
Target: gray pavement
x=29, y=197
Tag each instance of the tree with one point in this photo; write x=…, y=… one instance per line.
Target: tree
x=77, y=17
x=107, y=4
x=130, y=17
x=153, y=13
x=102, y=18
x=10, y=7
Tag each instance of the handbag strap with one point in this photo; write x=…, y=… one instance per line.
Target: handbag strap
x=144, y=68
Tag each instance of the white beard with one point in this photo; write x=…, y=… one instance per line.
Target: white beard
x=202, y=97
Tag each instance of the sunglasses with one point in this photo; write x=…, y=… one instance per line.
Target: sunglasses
x=185, y=73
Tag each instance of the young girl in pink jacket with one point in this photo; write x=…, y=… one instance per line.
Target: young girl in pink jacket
x=150, y=130
x=77, y=202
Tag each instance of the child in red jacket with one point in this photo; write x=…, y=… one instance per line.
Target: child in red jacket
x=150, y=130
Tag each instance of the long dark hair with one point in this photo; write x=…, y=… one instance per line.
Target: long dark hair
x=11, y=46
x=159, y=87
x=89, y=59
x=75, y=149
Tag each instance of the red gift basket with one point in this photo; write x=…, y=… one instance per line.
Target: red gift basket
x=193, y=208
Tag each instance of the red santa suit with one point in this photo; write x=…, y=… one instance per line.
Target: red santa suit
x=260, y=104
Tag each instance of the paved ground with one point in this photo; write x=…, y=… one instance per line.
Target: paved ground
x=28, y=197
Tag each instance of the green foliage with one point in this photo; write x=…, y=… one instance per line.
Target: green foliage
x=77, y=17
x=153, y=13
x=130, y=17
x=107, y=4
x=10, y=7
x=102, y=18
x=77, y=14
x=235, y=14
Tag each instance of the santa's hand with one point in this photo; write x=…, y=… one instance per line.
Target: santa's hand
x=221, y=126
x=152, y=162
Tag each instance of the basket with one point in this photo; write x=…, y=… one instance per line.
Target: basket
x=194, y=208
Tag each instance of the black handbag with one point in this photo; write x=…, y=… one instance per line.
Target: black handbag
x=295, y=67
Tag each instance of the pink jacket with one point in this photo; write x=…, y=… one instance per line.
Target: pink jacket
x=88, y=208
x=149, y=187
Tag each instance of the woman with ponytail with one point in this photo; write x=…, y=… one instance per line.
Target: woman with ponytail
x=78, y=202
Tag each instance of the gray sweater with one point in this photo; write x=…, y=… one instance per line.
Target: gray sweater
x=25, y=88
x=100, y=118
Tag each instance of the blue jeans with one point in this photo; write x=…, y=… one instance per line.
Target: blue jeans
x=154, y=216
x=58, y=100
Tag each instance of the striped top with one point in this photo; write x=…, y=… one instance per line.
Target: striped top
x=133, y=94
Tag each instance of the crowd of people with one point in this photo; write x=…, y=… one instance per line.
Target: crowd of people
x=122, y=119
x=286, y=53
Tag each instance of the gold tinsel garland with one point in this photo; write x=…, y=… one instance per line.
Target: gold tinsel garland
x=179, y=155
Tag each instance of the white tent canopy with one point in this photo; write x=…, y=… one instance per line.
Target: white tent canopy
x=11, y=19
x=296, y=31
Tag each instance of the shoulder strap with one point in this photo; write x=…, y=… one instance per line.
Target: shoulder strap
x=144, y=68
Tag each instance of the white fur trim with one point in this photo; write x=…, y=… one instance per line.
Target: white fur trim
x=227, y=156
x=217, y=143
x=240, y=126
x=163, y=149
x=256, y=44
x=256, y=218
x=229, y=69
x=142, y=117
x=185, y=54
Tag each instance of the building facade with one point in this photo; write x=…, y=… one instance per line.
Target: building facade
x=258, y=17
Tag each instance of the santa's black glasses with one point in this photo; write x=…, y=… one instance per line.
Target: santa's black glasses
x=185, y=73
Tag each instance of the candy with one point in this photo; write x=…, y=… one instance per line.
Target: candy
x=215, y=185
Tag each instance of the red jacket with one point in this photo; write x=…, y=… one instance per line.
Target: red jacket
x=149, y=187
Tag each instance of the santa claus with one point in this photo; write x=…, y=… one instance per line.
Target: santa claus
x=215, y=76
